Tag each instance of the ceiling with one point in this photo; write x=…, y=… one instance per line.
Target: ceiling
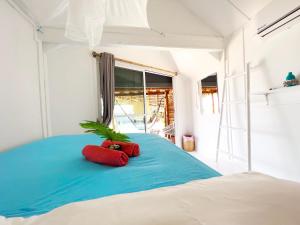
x=225, y=16
x=188, y=19
x=193, y=17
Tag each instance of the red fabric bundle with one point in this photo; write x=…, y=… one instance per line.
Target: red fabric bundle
x=105, y=156
x=131, y=149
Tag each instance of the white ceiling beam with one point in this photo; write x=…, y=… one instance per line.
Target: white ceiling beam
x=21, y=8
x=140, y=37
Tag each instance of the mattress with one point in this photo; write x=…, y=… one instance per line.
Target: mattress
x=41, y=176
x=242, y=199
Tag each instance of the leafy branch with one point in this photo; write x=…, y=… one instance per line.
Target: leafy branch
x=103, y=131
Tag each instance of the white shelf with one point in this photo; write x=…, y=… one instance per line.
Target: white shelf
x=276, y=91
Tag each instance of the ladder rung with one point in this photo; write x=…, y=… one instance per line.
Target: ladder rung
x=245, y=75
x=235, y=75
x=233, y=128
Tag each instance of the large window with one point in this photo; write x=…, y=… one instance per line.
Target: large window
x=143, y=102
x=209, y=92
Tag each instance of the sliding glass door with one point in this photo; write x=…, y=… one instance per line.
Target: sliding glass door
x=143, y=102
x=129, y=111
x=159, y=103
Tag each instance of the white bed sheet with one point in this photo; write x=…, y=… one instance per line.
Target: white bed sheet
x=242, y=199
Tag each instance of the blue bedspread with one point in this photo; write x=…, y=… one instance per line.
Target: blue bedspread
x=38, y=177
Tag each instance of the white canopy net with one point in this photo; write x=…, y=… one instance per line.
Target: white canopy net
x=87, y=18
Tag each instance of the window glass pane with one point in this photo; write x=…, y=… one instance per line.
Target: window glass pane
x=125, y=78
x=130, y=105
x=158, y=81
x=160, y=105
x=129, y=101
x=210, y=99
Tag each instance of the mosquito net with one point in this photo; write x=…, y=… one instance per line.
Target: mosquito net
x=86, y=19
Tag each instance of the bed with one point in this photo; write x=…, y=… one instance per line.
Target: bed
x=242, y=199
x=38, y=177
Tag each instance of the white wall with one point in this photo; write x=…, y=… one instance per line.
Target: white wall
x=146, y=55
x=183, y=107
x=198, y=64
x=20, y=108
x=71, y=88
x=276, y=144
x=275, y=133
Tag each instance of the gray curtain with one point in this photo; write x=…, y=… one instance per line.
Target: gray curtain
x=106, y=93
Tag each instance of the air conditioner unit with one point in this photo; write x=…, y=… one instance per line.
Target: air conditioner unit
x=277, y=15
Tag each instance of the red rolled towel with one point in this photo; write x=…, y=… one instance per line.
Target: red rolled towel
x=131, y=149
x=105, y=156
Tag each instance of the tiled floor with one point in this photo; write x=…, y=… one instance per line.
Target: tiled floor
x=224, y=166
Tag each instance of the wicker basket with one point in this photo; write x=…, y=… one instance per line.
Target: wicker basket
x=188, y=143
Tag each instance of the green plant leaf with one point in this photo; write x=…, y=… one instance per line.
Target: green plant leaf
x=103, y=131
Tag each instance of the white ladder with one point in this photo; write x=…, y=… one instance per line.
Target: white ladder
x=226, y=101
